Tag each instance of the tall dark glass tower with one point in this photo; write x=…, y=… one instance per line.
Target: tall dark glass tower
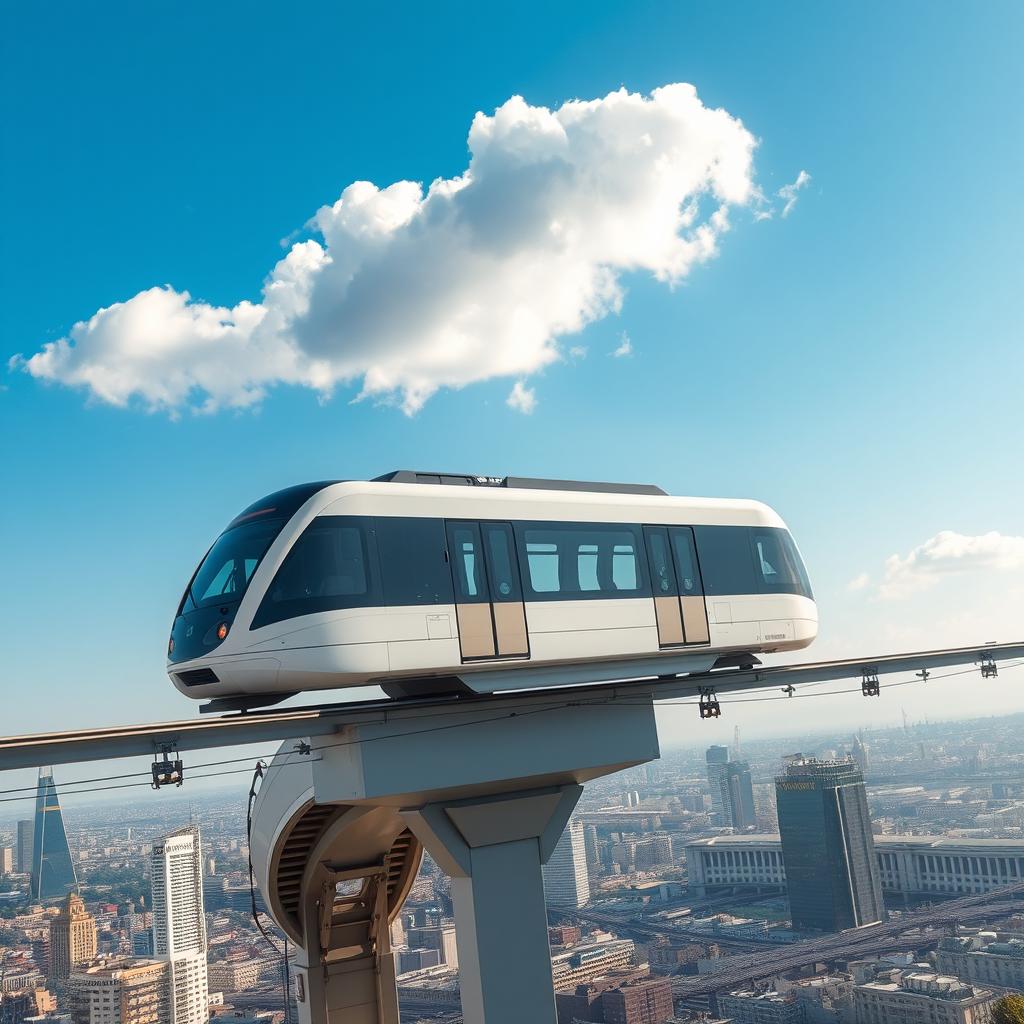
x=717, y=758
x=53, y=873
x=827, y=846
x=738, y=795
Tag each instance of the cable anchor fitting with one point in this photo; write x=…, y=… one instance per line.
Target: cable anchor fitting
x=789, y=690
x=709, y=706
x=989, y=668
x=168, y=770
x=869, y=684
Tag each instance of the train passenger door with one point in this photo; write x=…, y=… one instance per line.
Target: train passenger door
x=679, y=607
x=488, y=590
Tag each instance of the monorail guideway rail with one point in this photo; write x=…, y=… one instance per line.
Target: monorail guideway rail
x=275, y=724
x=486, y=784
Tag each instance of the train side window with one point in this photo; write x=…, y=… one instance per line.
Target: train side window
x=586, y=566
x=328, y=567
x=570, y=561
x=779, y=567
x=327, y=561
x=464, y=549
x=726, y=559
x=542, y=561
x=412, y=561
x=624, y=567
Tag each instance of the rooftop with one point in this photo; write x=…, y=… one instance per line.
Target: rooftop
x=917, y=842
x=928, y=985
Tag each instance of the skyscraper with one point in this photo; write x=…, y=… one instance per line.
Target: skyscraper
x=23, y=853
x=860, y=753
x=53, y=873
x=565, y=875
x=717, y=758
x=827, y=846
x=590, y=844
x=179, y=927
x=738, y=795
x=72, y=938
x=6, y=861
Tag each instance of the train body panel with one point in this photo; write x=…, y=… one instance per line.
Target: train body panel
x=357, y=583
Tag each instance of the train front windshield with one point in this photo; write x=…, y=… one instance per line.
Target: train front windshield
x=209, y=604
x=228, y=566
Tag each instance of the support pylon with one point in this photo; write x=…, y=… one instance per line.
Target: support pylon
x=337, y=836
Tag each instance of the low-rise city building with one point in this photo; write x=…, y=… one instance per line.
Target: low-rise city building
x=908, y=865
x=440, y=938
x=921, y=997
x=753, y=1006
x=983, y=959
x=233, y=975
x=588, y=961
x=123, y=991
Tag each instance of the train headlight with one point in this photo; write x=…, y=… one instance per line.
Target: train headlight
x=222, y=631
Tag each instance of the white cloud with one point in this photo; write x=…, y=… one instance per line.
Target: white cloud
x=948, y=553
x=861, y=582
x=790, y=193
x=408, y=290
x=578, y=352
x=625, y=347
x=521, y=398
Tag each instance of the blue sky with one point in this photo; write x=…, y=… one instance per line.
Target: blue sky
x=855, y=364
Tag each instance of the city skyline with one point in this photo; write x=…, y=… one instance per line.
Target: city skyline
x=648, y=834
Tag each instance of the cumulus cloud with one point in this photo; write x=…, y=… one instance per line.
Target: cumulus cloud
x=861, y=582
x=948, y=553
x=790, y=193
x=521, y=398
x=406, y=290
x=625, y=347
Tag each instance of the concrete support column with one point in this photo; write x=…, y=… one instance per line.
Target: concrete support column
x=493, y=849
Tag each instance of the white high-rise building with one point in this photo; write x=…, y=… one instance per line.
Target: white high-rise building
x=179, y=926
x=565, y=875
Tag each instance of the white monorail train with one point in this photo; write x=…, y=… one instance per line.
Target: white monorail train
x=421, y=582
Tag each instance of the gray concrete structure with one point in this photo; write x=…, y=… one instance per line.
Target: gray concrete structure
x=337, y=832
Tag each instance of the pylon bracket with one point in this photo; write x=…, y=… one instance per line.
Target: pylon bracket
x=168, y=768
x=790, y=690
x=869, y=684
x=989, y=668
x=709, y=706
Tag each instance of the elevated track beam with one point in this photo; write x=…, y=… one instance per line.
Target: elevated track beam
x=278, y=724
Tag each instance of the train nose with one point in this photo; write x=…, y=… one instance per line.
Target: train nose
x=200, y=631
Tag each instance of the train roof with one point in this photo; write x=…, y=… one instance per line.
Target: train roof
x=526, y=498
x=410, y=476
x=398, y=492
